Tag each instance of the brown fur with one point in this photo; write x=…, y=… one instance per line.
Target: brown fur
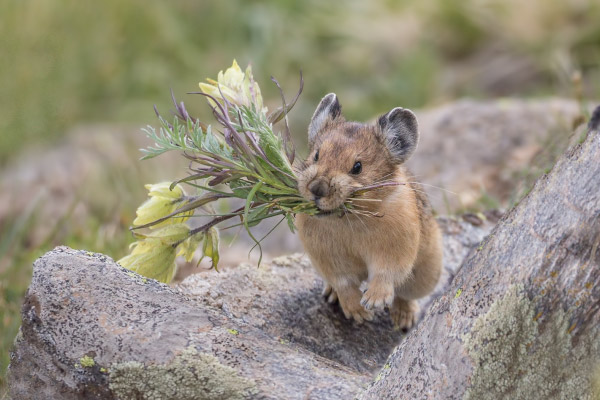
x=398, y=252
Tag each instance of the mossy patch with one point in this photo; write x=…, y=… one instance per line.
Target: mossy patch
x=191, y=375
x=87, y=361
x=515, y=357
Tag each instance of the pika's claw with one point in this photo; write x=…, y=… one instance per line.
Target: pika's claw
x=332, y=297
x=368, y=315
x=330, y=294
x=404, y=314
x=378, y=295
x=359, y=315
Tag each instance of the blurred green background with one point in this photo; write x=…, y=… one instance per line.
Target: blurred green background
x=72, y=63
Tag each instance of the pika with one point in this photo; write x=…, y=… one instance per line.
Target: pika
x=388, y=237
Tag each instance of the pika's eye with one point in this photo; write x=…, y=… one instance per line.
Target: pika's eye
x=317, y=156
x=357, y=168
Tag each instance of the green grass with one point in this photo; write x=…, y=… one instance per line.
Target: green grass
x=70, y=61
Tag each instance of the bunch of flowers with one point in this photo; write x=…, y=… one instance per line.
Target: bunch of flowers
x=241, y=158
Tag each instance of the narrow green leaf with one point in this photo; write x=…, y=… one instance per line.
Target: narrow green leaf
x=255, y=215
x=290, y=221
x=246, y=211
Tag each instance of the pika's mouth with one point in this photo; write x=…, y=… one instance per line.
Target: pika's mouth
x=322, y=213
x=338, y=212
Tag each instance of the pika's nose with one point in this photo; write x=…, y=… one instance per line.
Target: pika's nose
x=319, y=188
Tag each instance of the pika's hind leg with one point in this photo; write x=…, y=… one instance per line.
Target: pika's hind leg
x=329, y=293
x=404, y=313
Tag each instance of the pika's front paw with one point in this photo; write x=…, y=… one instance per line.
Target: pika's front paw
x=404, y=313
x=330, y=294
x=357, y=312
x=350, y=304
x=378, y=294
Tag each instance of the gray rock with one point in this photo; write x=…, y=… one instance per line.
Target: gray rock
x=520, y=319
x=134, y=329
x=92, y=329
x=474, y=148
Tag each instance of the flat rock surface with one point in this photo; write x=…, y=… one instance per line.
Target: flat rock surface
x=92, y=329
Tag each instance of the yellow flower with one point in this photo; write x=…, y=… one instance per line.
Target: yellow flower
x=235, y=86
x=164, y=189
x=154, y=256
x=153, y=259
x=161, y=203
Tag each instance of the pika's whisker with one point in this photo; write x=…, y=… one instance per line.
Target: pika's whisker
x=360, y=220
x=376, y=186
x=435, y=187
x=363, y=199
x=381, y=179
x=358, y=206
x=348, y=212
x=365, y=212
x=417, y=190
x=356, y=213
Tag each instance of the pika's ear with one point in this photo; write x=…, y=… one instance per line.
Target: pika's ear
x=328, y=110
x=401, y=132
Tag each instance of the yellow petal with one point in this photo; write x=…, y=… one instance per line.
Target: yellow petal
x=233, y=77
x=258, y=100
x=144, y=247
x=128, y=261
x=210, y=90
x=221, y=91
x=163, y=189
x=162, y=202
x=153, y=259
x=153, y=209
x=171, y=234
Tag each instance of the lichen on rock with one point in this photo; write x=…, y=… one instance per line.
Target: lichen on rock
x=516, y=356
x=190, y=375
x=87, y=361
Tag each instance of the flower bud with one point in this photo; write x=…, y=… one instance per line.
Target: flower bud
x=236, y=87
